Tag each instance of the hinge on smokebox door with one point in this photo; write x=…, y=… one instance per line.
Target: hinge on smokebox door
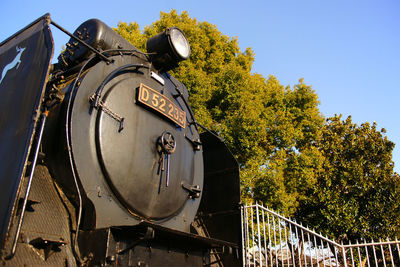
x=194, y=190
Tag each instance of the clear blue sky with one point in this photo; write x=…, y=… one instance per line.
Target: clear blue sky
x=349, y=51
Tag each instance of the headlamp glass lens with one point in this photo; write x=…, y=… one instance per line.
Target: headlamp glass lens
x=180, y=43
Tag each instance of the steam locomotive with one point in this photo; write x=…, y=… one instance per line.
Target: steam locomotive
x=102, y=160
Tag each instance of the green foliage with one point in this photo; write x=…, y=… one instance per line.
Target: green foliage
x=336, y=176
x=132, y=33
x=356, y=194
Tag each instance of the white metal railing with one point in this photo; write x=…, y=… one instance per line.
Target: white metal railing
x=270, y=239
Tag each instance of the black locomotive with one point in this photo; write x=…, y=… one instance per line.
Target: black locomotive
x=102, y=162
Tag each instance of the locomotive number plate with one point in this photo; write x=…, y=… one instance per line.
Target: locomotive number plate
x=161, y=104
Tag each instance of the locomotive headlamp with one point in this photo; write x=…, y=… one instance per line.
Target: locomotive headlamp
x=168, y=48
x=180, y=43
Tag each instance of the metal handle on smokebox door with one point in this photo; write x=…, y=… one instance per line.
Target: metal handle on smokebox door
x=167, y=145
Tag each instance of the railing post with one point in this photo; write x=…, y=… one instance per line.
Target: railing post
x=298, y=246
x=242, y=226
x=309, y=248
x=366, y=253
x=304, y=248
x=291, y=242
x=247, y=236
x=336, y=256
x=383, y=254
x=373, y=249
x=252, y=234
x=391, y=254
x=316, y=249
x=273, y=227
x=258, y=232
x=265, y=241
x=280, y=239
x=352, y=256
x=344, y=256
x=359, y=253
x=287, y=245
x=270, y=241
x=398, y=249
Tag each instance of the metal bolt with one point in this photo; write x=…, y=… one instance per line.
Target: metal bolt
x=110, y=259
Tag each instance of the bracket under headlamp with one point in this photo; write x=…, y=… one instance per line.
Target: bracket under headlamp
x=168, y=48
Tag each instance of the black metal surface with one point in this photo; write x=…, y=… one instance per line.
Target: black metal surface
x=129, y=159
x=96, y=34
x=79, y=40
x=162, y=52
x=102, y=248
x=118, y=169
x=221, y=178
x=150, y=244
x=24, y=63
x=219, y=217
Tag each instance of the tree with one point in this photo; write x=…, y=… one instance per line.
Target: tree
x=356, y=194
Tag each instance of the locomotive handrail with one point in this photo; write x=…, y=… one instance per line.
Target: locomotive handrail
x=28, y=187
x=67, y=133
x=99, y=90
